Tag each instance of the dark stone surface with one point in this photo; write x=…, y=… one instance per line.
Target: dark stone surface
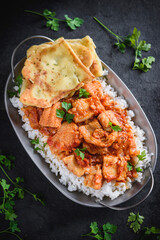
x=61, y=218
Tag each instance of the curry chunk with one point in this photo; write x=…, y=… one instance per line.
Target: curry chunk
x=66, y=138
x=87, y=131
x=94, y=178
x=81, y=110
x=94, y=88
x=85, y=108
x=110, y=168
x=73, y=166
x=106, y=117
x=49, y=118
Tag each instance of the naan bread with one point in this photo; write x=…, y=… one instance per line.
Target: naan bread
x=85, y=50
x=51, y=72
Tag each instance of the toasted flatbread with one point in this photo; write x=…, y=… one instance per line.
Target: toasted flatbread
x=85, y=50
x=54, y=71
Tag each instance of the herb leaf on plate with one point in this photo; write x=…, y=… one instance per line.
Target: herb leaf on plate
x=115, y=128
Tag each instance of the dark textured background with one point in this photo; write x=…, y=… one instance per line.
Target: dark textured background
x=61, y=218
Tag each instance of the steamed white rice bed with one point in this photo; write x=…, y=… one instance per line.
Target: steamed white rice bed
x=66, y=177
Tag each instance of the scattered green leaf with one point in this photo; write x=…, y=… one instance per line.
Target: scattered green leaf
x=83, y=93
x=136, y=221
x=60, y=113
x=106, y=234
x=69, y=117
x=53, y=23
x=64, y=113
x=129, y=166
x=132, y=41
x=142, y=156
x=66, y=105
x=139, y=169
x=73, y=23
x=10, y=193
x=115, y=128
x=80, y=152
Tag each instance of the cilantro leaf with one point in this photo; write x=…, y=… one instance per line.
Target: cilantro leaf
x=151, y=230
x=35, y=141
x=94, y=227
x=69, y=117
x=115, y=128
x=132, y=41
x=60, y=113
x=110, y=228
x=73, y=23
x=4, y=184
x=144, y=65
x=142, y=156
x=139, y=169
x=64, y=114
x=14, y=226
x=129, y=166
x=48, y=13
x=136, y=221
x=53, y=23
x=83, y=93
x=66, y=105
x=79, y=152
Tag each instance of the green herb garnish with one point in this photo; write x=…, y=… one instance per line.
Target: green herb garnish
x=105, y=234
x=132, y=41
x=79, y=152
x=53, y=23
x=83, y=93
x=64, y=113
x=60, y=113
x=139, y=169
x=142, y=156
x=151, y=230
x=115, y=128
x=36, y=142
x=18, y=81
x=136, y=221
x=11, y=191
x=66, y=105
x=129, y=166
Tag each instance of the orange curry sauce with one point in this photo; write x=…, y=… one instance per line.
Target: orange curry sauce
x=105, y=152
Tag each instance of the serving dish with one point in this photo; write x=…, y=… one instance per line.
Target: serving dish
x=140, y=119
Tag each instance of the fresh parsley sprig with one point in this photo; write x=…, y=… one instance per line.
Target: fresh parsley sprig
x=105, y=234
x=132, y=41
x=116, y=128
x=11, y=191
x=53, y=23
x=142, y=156
x=18, y=81
x=83, y=93
x=36, y=142
x=136, y=220
x=64, y=113
x=80, y=152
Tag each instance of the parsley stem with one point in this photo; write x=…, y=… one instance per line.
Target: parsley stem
x=46, y=17
x=15, y=184
x=108, y=29
x=6, y=231
x=34, y=12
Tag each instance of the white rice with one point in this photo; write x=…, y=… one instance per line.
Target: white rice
x=74, y=183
